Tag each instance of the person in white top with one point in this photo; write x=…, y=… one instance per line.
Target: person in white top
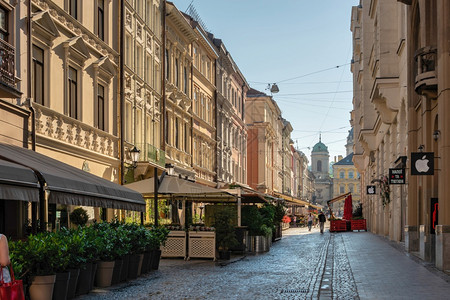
x=4, y=258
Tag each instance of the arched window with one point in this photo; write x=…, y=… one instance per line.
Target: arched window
x=319, y=166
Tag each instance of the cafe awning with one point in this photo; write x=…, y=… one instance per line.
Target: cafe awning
x=18, y=183
x=180, y=188
x=72, y=186
x=292, y=199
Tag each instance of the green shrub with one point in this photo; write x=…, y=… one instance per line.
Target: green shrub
x=79, y=216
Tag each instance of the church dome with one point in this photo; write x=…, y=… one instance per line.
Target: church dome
x=320, y=147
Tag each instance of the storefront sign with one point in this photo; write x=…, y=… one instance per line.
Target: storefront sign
x=422, y=163
x=397, y=176
x=371, y=190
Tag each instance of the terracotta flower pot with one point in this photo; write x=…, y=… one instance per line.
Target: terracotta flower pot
x=41, y=287
x=104, y=273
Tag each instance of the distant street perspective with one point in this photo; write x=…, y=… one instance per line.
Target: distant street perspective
x=302, y=265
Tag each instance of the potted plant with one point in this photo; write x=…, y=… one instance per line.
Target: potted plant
x=158, y=237
x=225, y=232
x=106, y=242
x=37, y=257
x=79, y=216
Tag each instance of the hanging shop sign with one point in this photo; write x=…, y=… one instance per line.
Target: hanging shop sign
x=371, y=190
x=422, y=163
x=397, y=176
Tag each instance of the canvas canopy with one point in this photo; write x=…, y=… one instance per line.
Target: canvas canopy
x=180, y=188
x=18, y=182
x=72, y=186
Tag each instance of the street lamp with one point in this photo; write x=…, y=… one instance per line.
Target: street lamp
x=135, y=152
x=273, y=88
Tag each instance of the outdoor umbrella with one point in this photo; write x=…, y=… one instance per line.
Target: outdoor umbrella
x=348, y=208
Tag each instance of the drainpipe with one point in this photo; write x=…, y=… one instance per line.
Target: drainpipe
x=121, y=90
x=163, y=81
x=33, y=130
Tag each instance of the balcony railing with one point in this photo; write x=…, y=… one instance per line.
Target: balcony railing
x=60, y=127
x=7, y=63
x=152, y=154
x=425, y=77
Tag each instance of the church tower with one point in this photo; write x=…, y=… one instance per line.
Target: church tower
x=320, y=167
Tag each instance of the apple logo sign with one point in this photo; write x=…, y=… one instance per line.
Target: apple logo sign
x=422, y=165
x=371, y=190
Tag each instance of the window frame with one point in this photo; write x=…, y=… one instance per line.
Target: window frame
x=72, y=104
x=101, y=17
x=42, y=75
x=4, y=32
x=101, y=122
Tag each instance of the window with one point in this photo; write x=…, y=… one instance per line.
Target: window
x=128, y=50
x=186, y=135
x=148, y=70
x=139, y=62
x=185, y=80
x=350, y=188
x=148, y=13
x=319, y=166
x=101, y=19
x=128, y=119
x=176, y=73
x=167, y=65
x=350, y=174
x=341, y=174
x=3, y=24
x=73, y=93
x=166, y=133
x=139, y=126
x=342, y=189
x=73, y=11
x=38, y=75
x=101, y=107
x=177, y=137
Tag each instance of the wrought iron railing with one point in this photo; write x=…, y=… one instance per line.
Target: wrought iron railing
x=426, y=64
x=7, y=63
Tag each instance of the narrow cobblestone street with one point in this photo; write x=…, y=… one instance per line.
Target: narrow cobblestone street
x=303, y=265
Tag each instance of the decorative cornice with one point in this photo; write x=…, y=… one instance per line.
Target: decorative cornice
x=76, y=28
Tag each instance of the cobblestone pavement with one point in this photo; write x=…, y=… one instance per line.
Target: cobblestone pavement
x=302, y=265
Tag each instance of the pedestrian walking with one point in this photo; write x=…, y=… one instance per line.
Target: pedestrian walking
x=4, y=258
x=294, y=219
x=310, y=221
x=322, y=220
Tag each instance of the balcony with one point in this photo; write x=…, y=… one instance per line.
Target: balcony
x=7, y=77
x=68, y=131
x=152, y=154
x=426, y=76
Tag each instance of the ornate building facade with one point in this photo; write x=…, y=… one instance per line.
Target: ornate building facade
x=142, y=44
x=74, y=84
x=262, y=116
x=204, y=54
x=178, y=103
x=231, y=129
x=379, y=116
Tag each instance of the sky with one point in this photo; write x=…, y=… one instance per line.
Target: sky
x=305, y=47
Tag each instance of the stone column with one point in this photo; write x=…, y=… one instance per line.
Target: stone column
x=443, y=71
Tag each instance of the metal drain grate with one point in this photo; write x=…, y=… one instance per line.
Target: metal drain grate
x=294, y=291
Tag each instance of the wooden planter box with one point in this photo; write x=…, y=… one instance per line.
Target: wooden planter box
x=175, y=245
x=202, y=244
x=358, y=225
x=338, y=225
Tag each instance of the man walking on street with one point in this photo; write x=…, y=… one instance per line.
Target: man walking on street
x=322, y=220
